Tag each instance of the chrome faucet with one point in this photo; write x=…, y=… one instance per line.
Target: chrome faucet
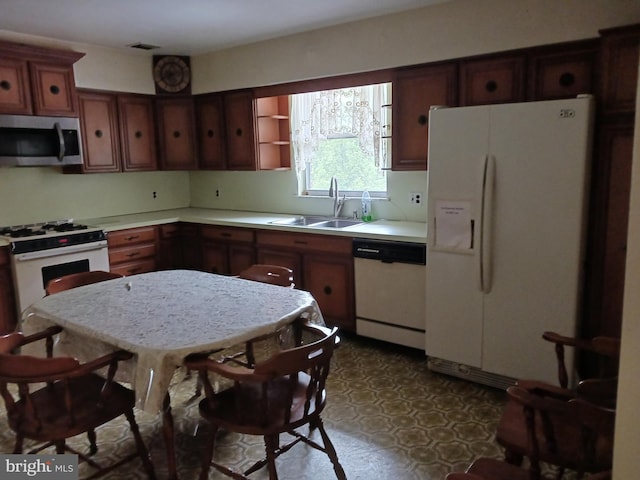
x=334, y=193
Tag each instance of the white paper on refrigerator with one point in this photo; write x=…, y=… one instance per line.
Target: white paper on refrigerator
x=453, y=224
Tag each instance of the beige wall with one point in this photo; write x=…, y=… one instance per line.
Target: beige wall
x=627, y=460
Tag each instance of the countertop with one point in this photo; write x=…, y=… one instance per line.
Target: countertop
x=394, y=230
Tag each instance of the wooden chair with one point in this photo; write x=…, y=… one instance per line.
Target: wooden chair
x=607, y=349
x=74, y=399
x=273, y=274
x=567, y=432
x=276, y=396
x=74, y=280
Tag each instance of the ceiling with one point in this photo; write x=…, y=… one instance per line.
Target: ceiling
x=185, y=27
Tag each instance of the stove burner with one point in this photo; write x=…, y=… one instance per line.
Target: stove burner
x=22, y=231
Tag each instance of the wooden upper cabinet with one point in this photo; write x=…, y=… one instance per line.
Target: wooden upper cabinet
x=137, y=132
x=415, y=90
x=100, y=135
x=567, y=73
x=38, y=81
x=211, y=132
x=240, y=131
x=15, y=94
x=177, y=133
x=54, y=89
x=492, y=80
x=273, y=131
x=117, y=133
x=620, y=49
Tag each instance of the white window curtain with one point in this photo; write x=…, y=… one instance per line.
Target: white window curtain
x=353, y=112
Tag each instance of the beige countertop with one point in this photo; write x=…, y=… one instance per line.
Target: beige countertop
x=394, y=230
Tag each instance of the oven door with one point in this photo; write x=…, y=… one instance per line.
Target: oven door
x=32, y=271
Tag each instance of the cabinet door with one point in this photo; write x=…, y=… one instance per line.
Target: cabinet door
x=494, y=80
x=240, y=132
x=330, y=280
x=8, y=314
x=177, y=136
x=15, y=92
x=562, y=74
x=210, y=130
x=54, y=89
x=292, y=260
x=241, y=257
x=137, y=134
x=620, y=49
x=608, y=231
x=414, y=92
x=100, y=137
x=215, y=258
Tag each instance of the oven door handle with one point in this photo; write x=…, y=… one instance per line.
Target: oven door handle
x=54, y=252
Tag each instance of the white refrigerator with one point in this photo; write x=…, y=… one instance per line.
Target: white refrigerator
x=507, y=200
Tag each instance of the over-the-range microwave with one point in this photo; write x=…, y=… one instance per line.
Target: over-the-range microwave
x=35, y=141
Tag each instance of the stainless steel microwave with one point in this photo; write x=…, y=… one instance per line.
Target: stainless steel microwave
x=33, y=141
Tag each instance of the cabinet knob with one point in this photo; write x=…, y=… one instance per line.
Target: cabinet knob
x=423, y=119
x=327, y=290
x=176, y=134
x=138, y=134
x=54, y=89
x=98, y=133
x=210, y=133
x=5, y=85
x=567, y=79
x=491, y=86
x=239, y=132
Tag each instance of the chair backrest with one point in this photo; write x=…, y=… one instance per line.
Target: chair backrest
x=606, y=349
x=273, y=274
x=572, y=434
x=74, y=280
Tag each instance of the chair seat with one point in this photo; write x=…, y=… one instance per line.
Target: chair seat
x=235, y=407
x=55, y=421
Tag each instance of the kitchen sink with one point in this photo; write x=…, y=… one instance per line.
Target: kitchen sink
x=336, y=223
x=317, y=221
x=301, y=221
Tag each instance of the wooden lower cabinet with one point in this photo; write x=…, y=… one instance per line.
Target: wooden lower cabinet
x=321, y=264
x=170, y=247
x=133, y=250
x=8, y=314
x=227, y=250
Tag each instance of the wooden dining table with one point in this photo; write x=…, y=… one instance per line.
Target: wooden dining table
x=161, y=317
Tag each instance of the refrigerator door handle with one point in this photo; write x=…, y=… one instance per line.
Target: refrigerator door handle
x=486, y=220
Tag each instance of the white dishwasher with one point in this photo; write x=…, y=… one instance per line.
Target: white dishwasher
x=390, y=281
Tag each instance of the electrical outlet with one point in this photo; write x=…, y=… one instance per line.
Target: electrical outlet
x=155, y=195
x=217, y=192
x=416, y=198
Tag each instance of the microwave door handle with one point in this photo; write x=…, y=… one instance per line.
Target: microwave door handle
x=60, y=140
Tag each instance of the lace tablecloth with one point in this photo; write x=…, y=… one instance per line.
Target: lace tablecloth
x=163, y=316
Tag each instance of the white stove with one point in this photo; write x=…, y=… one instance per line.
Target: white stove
x=47, y=250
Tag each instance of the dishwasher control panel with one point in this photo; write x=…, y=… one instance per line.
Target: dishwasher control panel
x=389, y=251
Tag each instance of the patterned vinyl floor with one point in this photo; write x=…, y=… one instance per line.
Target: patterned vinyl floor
x=387, y=415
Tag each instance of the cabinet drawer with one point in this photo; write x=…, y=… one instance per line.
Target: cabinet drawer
x=227, y=233
x=170, y=230
x=301, y=241
x=128, y=254
x=131, y=236
x=133, y=268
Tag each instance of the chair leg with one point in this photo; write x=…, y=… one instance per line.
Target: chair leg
x=93, y=446
x=59, y=447
x=207, y=456
x=330, y=450
x=142, y=448
x=17, y=448
x=271, y=445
